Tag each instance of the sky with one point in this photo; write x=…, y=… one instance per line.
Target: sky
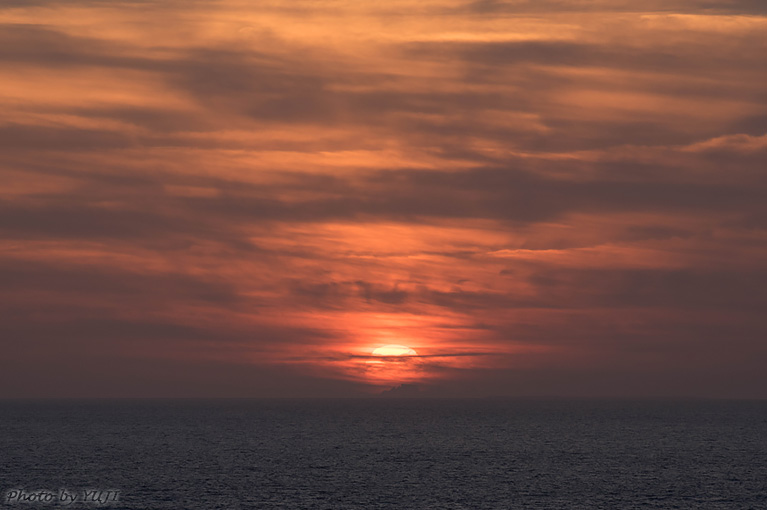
x=229, y=198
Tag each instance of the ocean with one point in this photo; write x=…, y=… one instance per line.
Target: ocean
x=384, y=454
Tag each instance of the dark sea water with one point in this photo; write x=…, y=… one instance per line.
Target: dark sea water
x=392, y=454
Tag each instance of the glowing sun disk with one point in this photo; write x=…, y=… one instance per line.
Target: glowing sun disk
x=394, y=350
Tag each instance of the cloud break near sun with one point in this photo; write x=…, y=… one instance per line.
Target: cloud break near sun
x=332, y=198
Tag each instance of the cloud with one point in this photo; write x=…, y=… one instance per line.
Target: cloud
x=575, y=187
x=682, y=6
x=679, y=288
x=22, y=277
x=166, y=378
x=737, y=143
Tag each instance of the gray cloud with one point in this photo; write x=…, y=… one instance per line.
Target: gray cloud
x=141, y=209
x=754, y=7
x=102, y=282
x=287, y=87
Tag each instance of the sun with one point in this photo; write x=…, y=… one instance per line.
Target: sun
x=394, y=350
x=393, y=364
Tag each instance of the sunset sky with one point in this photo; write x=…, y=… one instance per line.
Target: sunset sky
x=209, y=198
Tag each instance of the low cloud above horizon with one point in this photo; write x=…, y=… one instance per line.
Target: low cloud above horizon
x=216, y=198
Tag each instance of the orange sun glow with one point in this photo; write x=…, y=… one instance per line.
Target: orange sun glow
x=394, y=350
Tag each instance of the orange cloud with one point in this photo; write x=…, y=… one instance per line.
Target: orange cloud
x=234, y=199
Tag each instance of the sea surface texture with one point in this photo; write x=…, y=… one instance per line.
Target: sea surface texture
x=388, y=454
